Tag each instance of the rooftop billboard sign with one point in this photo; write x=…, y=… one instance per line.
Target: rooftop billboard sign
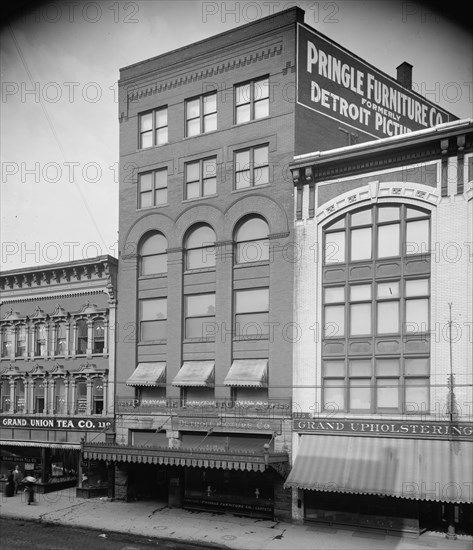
x=339, y=85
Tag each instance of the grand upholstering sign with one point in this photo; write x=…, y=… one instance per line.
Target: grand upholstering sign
x=339, y=85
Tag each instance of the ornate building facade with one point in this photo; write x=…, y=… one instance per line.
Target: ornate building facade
x=57, y=360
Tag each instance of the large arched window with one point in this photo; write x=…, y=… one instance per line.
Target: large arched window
x=376, y=289
x=5, y=395
x=99, y=336
x=81, y=397
x=19, y=396
x=61, y=343
x=97, y=396
x=200, y=247
x=82, y=337
x=153, y=257
x=38, y=395
x=251, y=238
x=40, y=340
x=60, y=397
x=21, y=336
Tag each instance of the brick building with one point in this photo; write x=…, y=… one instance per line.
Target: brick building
x=205, y=319
x=57, y=366
x=384, y=381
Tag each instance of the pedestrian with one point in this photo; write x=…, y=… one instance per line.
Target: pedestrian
x=17, y=478
x=30, y=492
x=10, y=486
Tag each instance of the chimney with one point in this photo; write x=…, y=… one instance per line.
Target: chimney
x=404, y=75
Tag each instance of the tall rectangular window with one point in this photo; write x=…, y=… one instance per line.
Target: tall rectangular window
x=200, y=315
x=153, y=319
x=252, y=167
x=153, y=128
x=153, y=188
x=376, y=310
x=252, y=312
x=21, y=336
x=201, y=114
x=251, y=100
x=201, y=178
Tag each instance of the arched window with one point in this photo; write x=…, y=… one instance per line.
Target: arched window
x=153, y=257
x=21, y=336
x=81, y=347
x=19, y=396
x=251, y=239
x=99, y=337
x=60, y=397
x=5, y=395
x=39, y=395
x=376, y=295
x=61, y=347
x=8, y=339
x=81, y=397
x=200, y=247
x=97, y=396
x=40, y=340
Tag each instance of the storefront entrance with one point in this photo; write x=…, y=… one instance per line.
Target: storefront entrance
x=148, y=482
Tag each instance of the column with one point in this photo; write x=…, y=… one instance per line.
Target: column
x=52, y=389
x=74, y=340
x=27, y=340
x=67, y=405
x=31, y=341
x=110, y=346
x=47, y=330
x=72, y=409
x=53, y=331
x=90, y=384
x=67, y=351
x=174, y=324
x=12, y=339
x=105, y=338
x=46, y=395
x=29, y=403
x=12, y=395
x=90, y=337
x=105, y=395
x=26, y=395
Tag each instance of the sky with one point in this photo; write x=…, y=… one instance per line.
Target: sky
x=60, y=64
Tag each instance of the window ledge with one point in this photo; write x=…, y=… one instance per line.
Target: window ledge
x=252, y=188
x=252, y=264
x=152, y=276
x=251, y=339
x=200, y=198
x=200, y=270
x=141, y=149
x=198, y=340
x=240, y=124
x=185, y=138
x=146, y=208
x=152, y=342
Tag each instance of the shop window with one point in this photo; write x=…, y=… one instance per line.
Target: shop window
x=251, y=241
x=151, y=397
x=97, y=396
x=250, y=396
x=197, y=396
x=98, y=333
x=153, y=256
x=40, y=340
x=251, y=313
x=82, y=337
x=61, y=343
x=39, y=390
x=153, y=319
x=200, y=247
x=81, y=397
x=153, y=127
x=374, y=304
x=21, y=336
x=201, y=114
x=200, y=316
x=252, y=167
x=252, y=100
x=153, y=188
x=201, y=178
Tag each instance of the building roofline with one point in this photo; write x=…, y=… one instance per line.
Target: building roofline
x=62, y=265
x=412, y=138
x=298, y=17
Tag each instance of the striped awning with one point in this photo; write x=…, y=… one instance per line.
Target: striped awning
x=11, y=443
x=419, y=469
x=148, y=374
x=248, y=373
x=195, y=374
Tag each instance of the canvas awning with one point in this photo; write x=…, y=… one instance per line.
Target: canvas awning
x=11, y=443
x=420, y=469
x=248, y=373
x=148, y=374
x=195, y=374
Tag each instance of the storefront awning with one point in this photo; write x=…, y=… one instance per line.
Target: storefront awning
x=10, y=443
x=226, y=460
x=195, y=374
x=148, y=374
x=420, y=469
x=249, y=373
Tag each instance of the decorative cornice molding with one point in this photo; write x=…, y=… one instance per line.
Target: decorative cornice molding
x=220, y=68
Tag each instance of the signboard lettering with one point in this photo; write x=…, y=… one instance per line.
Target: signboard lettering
x=56, y=423
x=391, y=427
x=339, y=85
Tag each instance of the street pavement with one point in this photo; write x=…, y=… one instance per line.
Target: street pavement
x=156, y=520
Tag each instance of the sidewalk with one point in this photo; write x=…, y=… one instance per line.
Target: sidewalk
x=156, y=520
